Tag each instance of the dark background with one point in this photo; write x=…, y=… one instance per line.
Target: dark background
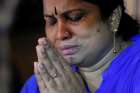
x=27, y=27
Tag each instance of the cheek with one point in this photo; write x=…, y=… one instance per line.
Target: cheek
x=92, y=20
x=89, y=23
x=88, y=26
x=50, y=36
x=86, y=31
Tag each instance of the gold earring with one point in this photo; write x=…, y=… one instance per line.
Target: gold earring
x=114, y=21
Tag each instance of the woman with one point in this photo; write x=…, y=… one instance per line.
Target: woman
x=92, y=46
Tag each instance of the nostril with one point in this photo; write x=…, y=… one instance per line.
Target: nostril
x=67, y=35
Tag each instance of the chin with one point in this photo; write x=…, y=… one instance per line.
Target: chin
x=74, y=59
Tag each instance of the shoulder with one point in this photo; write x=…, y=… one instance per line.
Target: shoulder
x=136, y=78
x=130, y=55
x=129, y=58
x=136, y=60
x=127, y=66
x=123, y=74
x=30, y=86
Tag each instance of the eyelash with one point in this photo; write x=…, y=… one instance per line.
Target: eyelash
x=51, y=21
x=76, y=18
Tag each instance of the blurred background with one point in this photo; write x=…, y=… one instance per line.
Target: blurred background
x=21, y=24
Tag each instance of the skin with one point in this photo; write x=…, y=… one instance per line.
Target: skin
x=90, y=33
x=71, y=22
x=49, y=63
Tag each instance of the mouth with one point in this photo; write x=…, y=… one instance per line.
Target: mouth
x=69, y=49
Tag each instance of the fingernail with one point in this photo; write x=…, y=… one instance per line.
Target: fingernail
x=41, y=68
x=42, y=41
x=43, y=50
x=48, y=46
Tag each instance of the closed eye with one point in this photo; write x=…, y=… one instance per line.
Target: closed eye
x=50, y=20
x=75, y=16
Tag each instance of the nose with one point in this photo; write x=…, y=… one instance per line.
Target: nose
x=63, y=31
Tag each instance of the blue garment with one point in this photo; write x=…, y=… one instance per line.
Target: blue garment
x=30, y=86
x=122, y=76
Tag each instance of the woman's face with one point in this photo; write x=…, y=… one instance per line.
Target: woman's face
x=77, y=31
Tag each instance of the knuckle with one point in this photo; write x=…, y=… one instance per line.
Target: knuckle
x=42, y=40
x=37, y=47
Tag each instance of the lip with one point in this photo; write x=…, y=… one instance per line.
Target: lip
x=69, y=49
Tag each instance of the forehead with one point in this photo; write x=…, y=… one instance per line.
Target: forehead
x=63, y=5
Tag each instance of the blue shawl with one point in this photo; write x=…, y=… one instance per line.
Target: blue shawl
x=122, y=76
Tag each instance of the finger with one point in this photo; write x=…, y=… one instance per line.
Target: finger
x=55, y=57
x=41, y=84
x=42, y=41
x=52, y=68
x=48, y=80
x=43, y=72
x=43, y=58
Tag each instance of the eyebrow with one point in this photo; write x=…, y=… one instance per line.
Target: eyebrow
x=64, y=13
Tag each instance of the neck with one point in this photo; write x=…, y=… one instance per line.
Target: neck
x=107, y=59
x=93, y=74
x=101, y=64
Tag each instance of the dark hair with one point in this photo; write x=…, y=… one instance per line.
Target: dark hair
x=128, y=27
x=106, y=6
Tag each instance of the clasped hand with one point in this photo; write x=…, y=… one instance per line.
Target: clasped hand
x=53, y=73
